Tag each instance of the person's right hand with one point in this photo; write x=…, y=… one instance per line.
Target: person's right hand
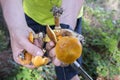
x=19, y=42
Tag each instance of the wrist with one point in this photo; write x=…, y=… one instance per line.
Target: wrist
x=19, y=30
x=15, y=28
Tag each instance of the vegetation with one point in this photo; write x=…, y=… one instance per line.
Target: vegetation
x=101, y=52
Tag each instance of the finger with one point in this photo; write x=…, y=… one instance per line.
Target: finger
x=40, y=40
x=38, y=43
x=32, y=49
x=52, y=53
x=56, y=62
x=50, y=45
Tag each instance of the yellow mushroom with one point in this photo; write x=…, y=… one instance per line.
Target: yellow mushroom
x=28, y=58
x=39, y=61
x=68, y=49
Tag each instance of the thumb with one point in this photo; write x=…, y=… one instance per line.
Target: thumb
x=32, y=49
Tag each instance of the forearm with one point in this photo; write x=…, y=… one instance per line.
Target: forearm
x=13, y=14
x=71, y=11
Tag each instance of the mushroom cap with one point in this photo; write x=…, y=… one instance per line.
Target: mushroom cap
x=68, y=49
x=39, y=61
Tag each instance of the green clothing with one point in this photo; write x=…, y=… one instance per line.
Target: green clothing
x=39, y=10
x=81, y=13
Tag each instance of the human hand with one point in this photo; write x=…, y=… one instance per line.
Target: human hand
x=20, y=42
x=65, y=38
x=50, y=47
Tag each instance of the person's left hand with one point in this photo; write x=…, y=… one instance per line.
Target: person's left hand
x=50, y=47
